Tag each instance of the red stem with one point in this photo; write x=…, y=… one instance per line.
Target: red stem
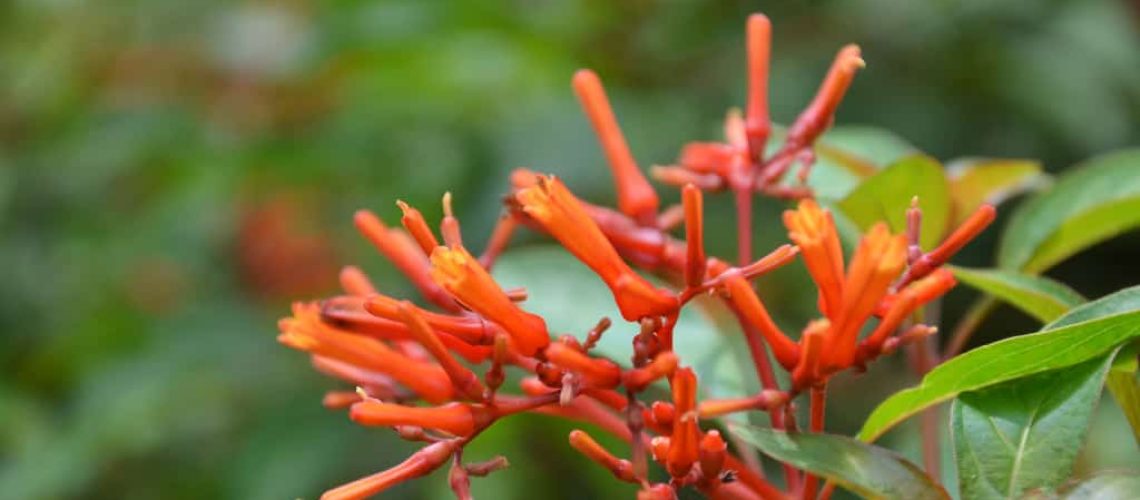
x=755, y=344
x=817, y=406
x=743, y=226
x=925, y=356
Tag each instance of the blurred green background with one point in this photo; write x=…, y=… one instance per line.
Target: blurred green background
x=173, y=173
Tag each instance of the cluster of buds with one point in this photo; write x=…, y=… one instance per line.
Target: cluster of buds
x=415, y=368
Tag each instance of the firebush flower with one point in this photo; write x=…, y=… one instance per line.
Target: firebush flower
x=434, y=372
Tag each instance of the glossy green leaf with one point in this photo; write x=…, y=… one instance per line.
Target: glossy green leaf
x=1122, y=383
x=1040, y=297
x=1006, y=360
x=1025, y=433
x=989, y=180
x=1120, y=301
x=1085, y=230
x=867, y=470
x=1110, y=485
x=887, y=195
x=1092, y=202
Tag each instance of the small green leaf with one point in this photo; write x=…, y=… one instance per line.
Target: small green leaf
x=1037, y=296
x=863, y=469
x=887, y=195
x=1109, y=485
x=1005, y=360
x=1092, y=202
x=975, y=181
x=1025, y=433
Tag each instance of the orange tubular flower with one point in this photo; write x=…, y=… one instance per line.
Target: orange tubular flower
x=813, y=230
x=766, y=399
x=636, y=198
x=459, y=273
x=694, y=236
x=470, y=329
x=684, y=444
x=713, y=452
x=415, y=224
x=559, y=213
x=457, y=419
x=304, y=331
x=595, y=371
x=461, y=377
x=877, y=262
x=661, y=366
x=759, y=40
x=744, y=299
x=621, y=469
x=902, y=305
x=819, y=114
x=419, y=464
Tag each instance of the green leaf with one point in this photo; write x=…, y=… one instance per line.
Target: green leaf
x=1086, y=230
x=1104, y=486
x=1120, y=301
x=866, y=470
x=1040, y=297
x=1094, y=201
x=887, y=195
x=1002, y=361
x=1122, y=383
x=974, y=181
x=1025, y=433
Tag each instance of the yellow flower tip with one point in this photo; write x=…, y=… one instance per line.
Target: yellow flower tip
x=447, y=205
x=449, y=266
x=852, y=57
x=298, y=341
x=889, y=250
x=809, y=223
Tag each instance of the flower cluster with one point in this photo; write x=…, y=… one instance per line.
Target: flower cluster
x=415, y=367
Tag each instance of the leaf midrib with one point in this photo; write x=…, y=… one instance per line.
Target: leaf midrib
x=1016, y=469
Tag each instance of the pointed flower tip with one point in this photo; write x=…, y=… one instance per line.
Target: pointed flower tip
x=447, y=204
x=553, y=207
x=852, y=57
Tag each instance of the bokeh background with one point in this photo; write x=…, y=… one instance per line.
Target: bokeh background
x=173, y=173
